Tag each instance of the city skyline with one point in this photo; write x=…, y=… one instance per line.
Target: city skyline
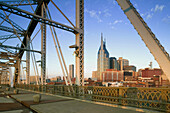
x=119, y=29
x=106, y=17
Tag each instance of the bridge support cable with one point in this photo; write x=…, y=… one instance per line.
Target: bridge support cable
x=60, y=51
x=34, y=63
x=59, y=56
x=80, y=42
x=36, y=68
x=153, y=44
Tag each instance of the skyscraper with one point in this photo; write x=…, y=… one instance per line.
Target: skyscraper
x=102, y=59
x=113, y=63
x=122, y=62
x=71, y=71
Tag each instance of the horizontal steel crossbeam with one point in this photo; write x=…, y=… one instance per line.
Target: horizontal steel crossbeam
x=35, y=17
x=8, y=50
x=13, y=2
x=8, y=29
x=18, y=48
x=6, y=64
x=13, y=23
x=4, y=37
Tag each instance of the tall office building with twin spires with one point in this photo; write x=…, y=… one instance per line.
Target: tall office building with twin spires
x=102, y=59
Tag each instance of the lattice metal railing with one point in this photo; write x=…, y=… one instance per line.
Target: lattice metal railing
x=150, y=98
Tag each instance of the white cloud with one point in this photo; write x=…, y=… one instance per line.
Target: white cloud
x=114, y=2
x=112, y=27
x=149, y=16
x=112, y=24
x=158, y=8
x=135, y=5
x=106, y=13
x=166, y=19
x=94, y=14
x=152, y=9
x=142, y=14
x=117, y=21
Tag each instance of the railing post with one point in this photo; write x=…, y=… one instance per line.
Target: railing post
x=120, y=95
x=163, y=96
x=53, y=89
x=45, y=88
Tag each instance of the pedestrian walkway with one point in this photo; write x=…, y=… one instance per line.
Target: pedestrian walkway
x=23, y=102
x=9, y=105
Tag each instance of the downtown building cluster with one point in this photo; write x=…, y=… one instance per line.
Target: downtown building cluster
x=111, y=70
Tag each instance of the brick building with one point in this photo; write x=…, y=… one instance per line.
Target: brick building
x=111, y=75
x=147, y=72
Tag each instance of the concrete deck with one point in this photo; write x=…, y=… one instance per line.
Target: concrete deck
x=59, y=104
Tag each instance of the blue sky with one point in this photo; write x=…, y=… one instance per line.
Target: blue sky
x=104, y=16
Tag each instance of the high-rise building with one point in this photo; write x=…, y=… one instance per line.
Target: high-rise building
x=94, y=75
x=125, y=62
x=122, y=62
x=102, y=59
x=71, y=71
x=113, y=63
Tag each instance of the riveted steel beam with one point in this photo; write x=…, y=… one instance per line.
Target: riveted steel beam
x=26, y=14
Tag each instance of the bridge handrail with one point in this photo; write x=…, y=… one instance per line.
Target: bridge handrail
x=150, y=98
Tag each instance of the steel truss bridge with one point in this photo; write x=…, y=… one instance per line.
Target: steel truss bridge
x=12, y=55
x=41, y=15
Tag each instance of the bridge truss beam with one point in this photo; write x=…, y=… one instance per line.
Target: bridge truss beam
x=29, y=15
x=80, y=42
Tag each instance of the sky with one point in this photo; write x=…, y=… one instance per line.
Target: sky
x=102, y=16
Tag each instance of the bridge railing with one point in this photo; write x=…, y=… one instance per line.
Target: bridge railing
x=150, y=98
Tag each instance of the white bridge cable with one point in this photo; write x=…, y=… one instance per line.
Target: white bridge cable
x=62, y=57
x=59, y=57
x=34, y=69
x=35, y=65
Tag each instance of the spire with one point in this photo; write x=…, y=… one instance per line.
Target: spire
x=101, y=40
